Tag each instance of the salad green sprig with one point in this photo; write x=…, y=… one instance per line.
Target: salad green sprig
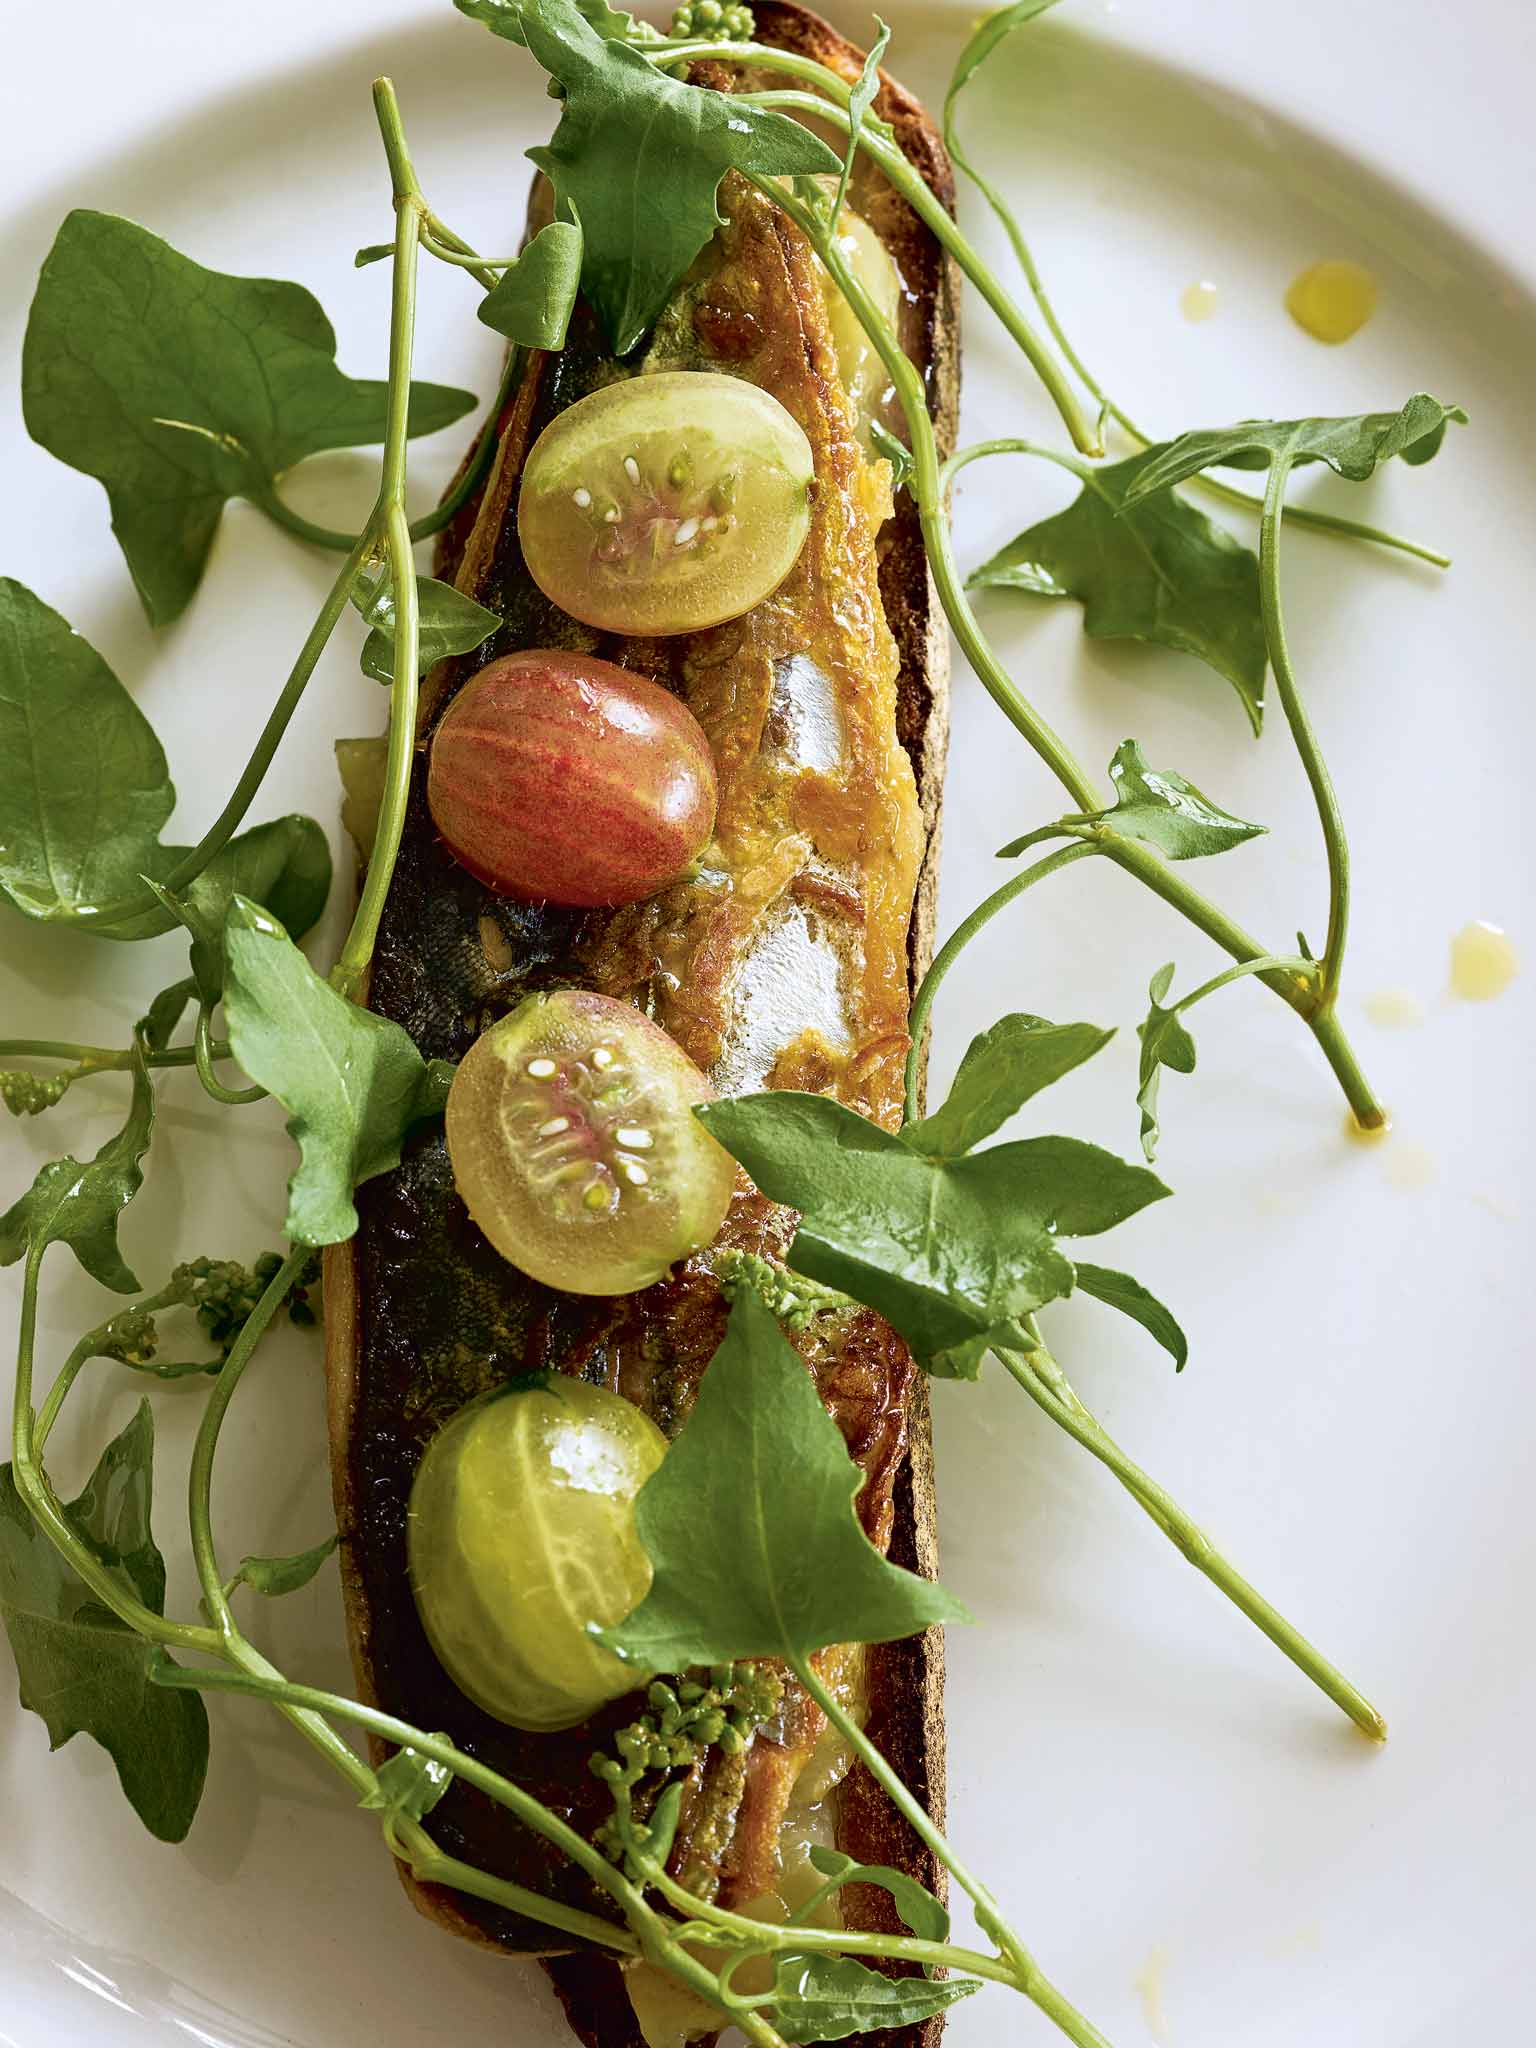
x=988, y=37
x=961, y=1244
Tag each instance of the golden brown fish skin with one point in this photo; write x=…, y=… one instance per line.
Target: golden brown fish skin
x=443, y=970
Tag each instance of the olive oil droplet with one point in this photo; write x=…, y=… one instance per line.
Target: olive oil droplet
x=1367, y=1134
x=1394, y=1009
x=1332, y=300
x=1149, y=1989
x=1483, y=962
x=1411, y=1166
x=1199, y=301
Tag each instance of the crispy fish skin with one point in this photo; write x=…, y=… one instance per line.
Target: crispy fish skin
x=423, y=1315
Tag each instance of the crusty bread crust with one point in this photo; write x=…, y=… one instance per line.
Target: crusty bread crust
x=906, y=1678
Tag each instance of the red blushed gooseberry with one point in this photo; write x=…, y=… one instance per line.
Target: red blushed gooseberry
x=560, y=778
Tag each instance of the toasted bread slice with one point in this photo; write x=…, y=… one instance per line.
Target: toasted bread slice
x=421, y=1314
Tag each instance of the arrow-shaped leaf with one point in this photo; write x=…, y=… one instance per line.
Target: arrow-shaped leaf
x=1353, y=445
x=1149, y=566
x=180, y=388
x=788, y=1568
x=82, y=1671
x=79, y=1205
x=1158, y=806
x=354, y=1083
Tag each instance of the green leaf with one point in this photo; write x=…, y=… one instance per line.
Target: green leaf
x=533, y=301
x=860, y=101
x=505, y=17
x=661, y=1827
x=406, y=1787
x=84, y=788
x=157, y=1027
x=84, y=793
x=964, y=1361
x=285, y=866
x=829, y=1998
x=919, y=1909
x=448, y=622
x=277, y=1575
x=1164, y=1043
x=1160, y=807
x=948, y=1250
x=787, y=1568
x=82, y=1671
x=637, y=146
x=179, y=388
x=896, y=453
x=1150, y=568
x=1353, y=445
x=79, y=1205
x=354, y=1084
x=1120, y=1291
x=1002, y=1069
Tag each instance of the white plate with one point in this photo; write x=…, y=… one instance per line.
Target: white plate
x=1198, y=1849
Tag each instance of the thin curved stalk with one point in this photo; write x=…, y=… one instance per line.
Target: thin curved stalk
x=655, y=1935
x=357, y=951
x=1319, y=780
x=941, y=223
x=32, y=1484
x=1302, y=993
x=959, y=939
x=443, y=513
x=1041, y=1377
x=229, y=820
x=1027, y=1974
x=204, y=1054
x=1228, y=494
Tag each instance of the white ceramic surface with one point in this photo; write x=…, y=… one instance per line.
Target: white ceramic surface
x=1199, y=1851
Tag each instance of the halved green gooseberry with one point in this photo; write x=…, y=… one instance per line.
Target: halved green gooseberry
x=574, y=1145
x=666, y=503
x=521, y=1535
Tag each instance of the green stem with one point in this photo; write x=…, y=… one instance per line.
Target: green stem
x=760, y=57
x=1131, y=854
x=104, y=1059
x=1302, y=732
x=229, y=820
x=204, y=1054
x=715, y=1926
x=449, y=247
x=1047, y=743
x=460, y=261
x=941, y=223
x=283, y=515
x=32, y=1484
x=89, y=1056
x=1027, y=1973
x=655, y=1935
x=356, y=953
x=1274, y=963
x=430, y=1865
x=1039, y=1375
x=200, y=1476
x=1229, y=494
x=443, y=513
x=352, y=964
x=955, y=945
x=77, y=1360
